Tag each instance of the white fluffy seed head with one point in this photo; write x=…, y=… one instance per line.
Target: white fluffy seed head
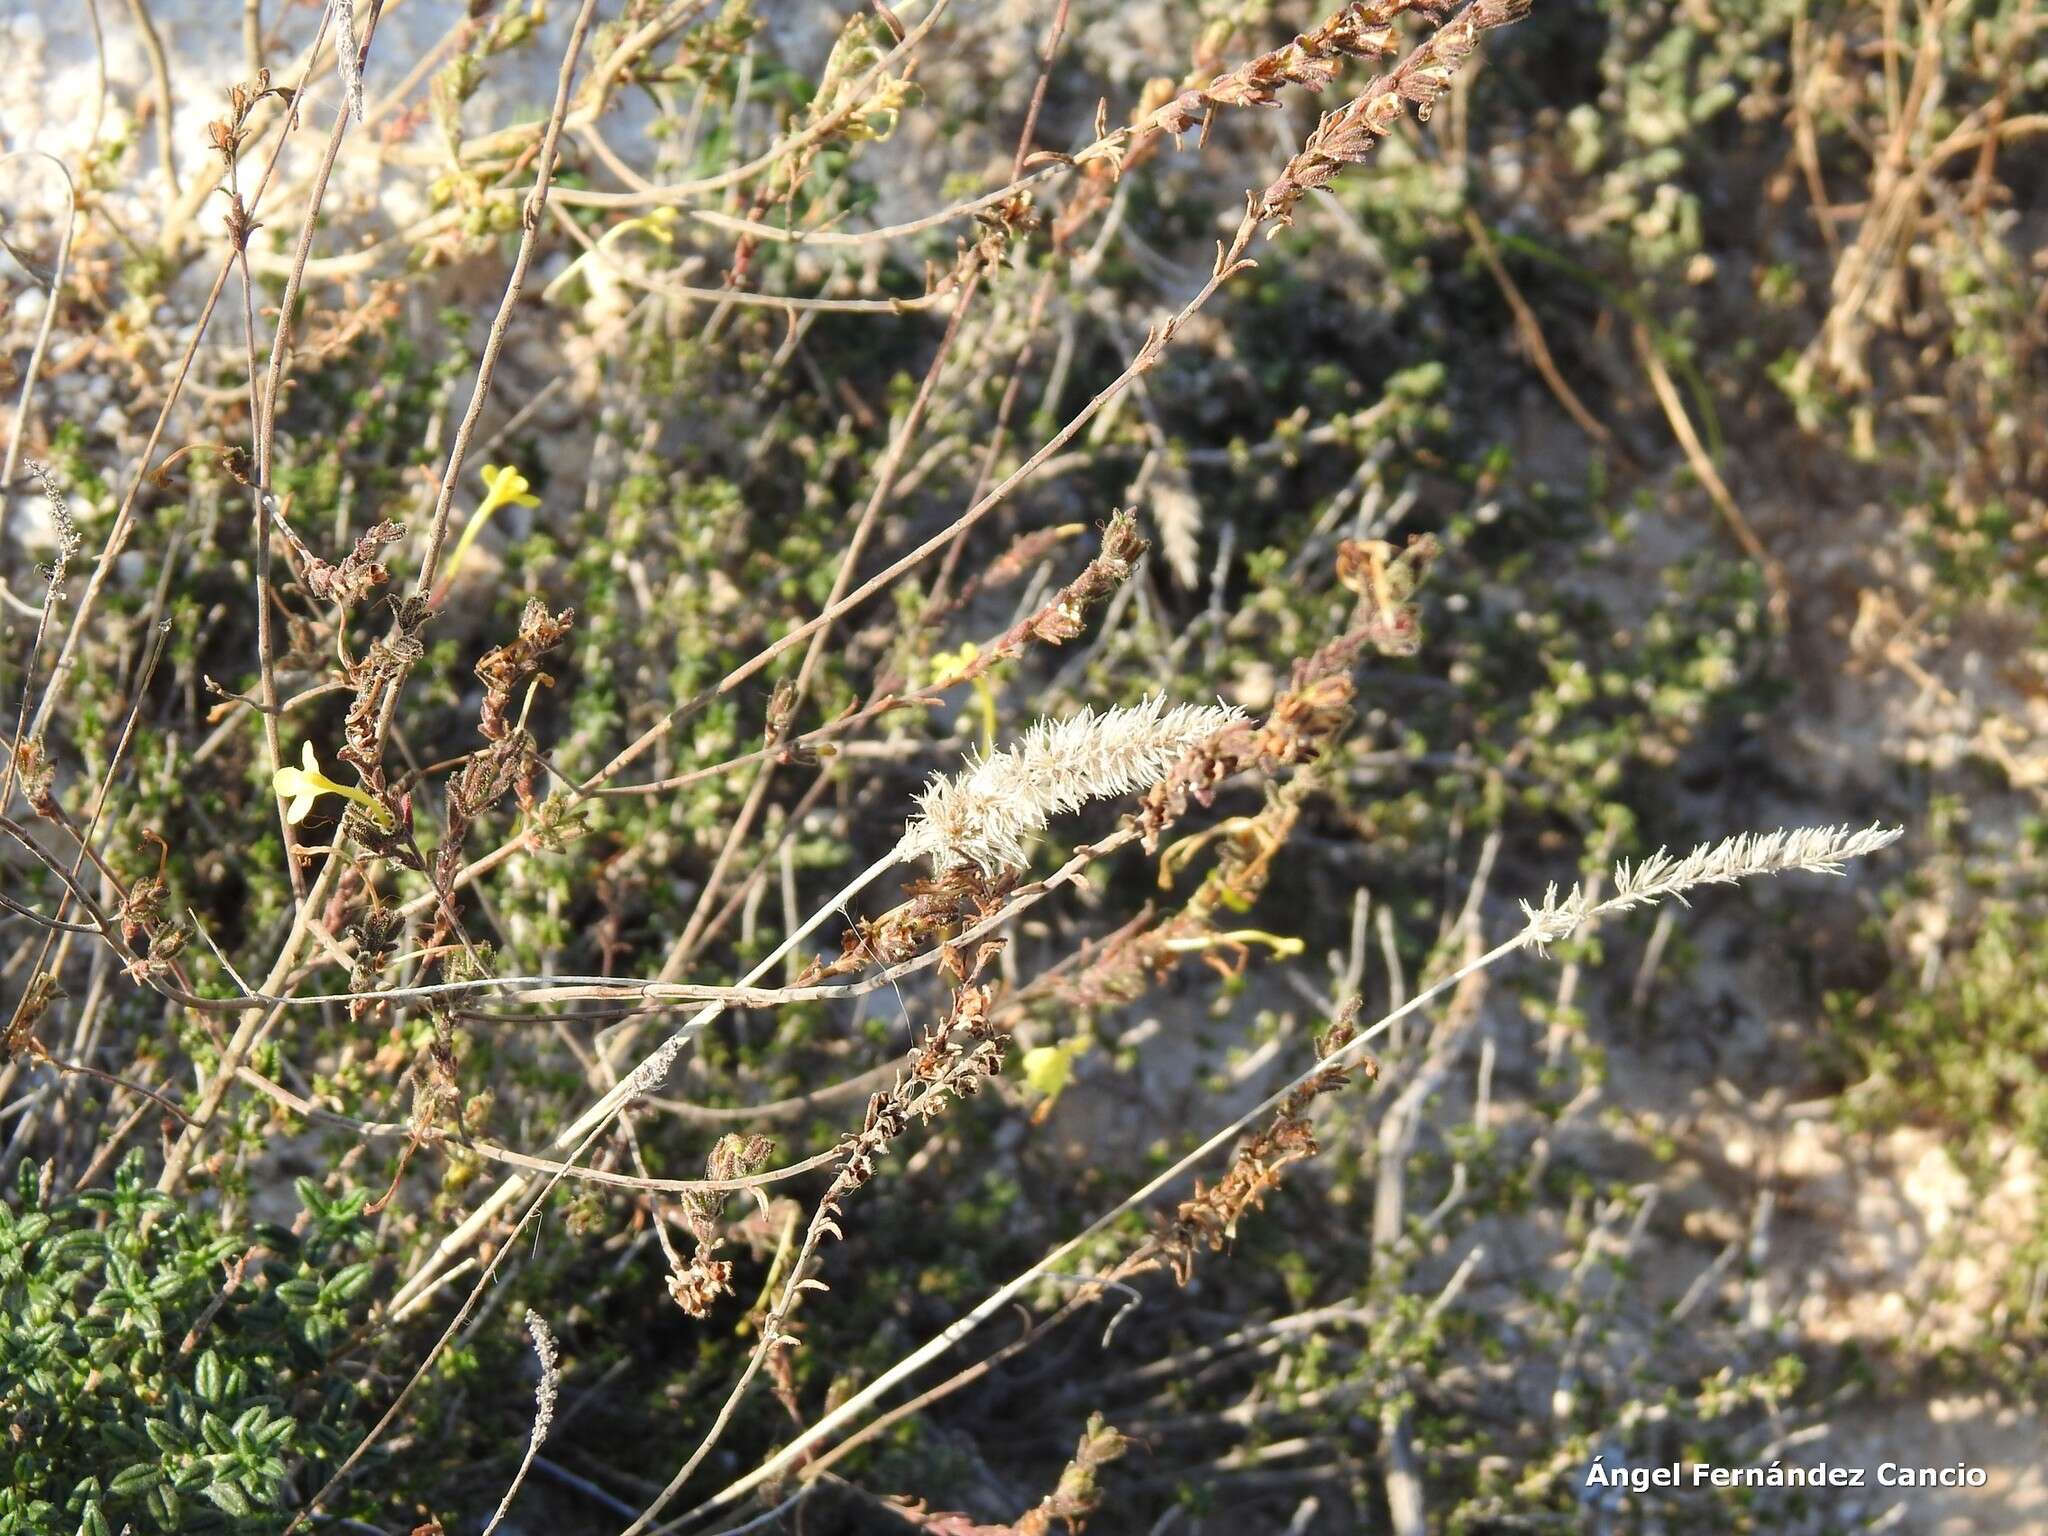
x=1819, y=850
x=987, y=814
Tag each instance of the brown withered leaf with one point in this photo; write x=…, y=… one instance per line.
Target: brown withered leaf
x=505, y=667
x=350, y=581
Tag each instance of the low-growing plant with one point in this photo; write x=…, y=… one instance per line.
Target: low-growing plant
x=162, y=1370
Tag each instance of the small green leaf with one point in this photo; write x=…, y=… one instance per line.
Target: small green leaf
x=194, y=1475
x=230, y=1498
x=72, y=1247
x=165, y=1506
x=349, y=1283
x=210, y=1377
x=132, y=1480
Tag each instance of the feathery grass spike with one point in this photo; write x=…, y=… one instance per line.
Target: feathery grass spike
x=986, y=815
x=1818, y=850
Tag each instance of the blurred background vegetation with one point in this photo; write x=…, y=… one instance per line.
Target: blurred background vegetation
x=1702, y=340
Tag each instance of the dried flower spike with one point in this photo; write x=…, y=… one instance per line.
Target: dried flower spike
x=987, y=815
x=549, y=1357
x=1819, y=850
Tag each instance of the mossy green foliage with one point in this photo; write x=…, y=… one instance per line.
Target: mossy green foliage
x=160, y=1371
x=1970, y=1055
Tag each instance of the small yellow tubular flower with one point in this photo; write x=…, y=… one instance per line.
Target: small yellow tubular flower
x=300, y=787
x=1048, y=1069
x=503, y=485
x=656, y=226
x=948, y=665
x=947, y=669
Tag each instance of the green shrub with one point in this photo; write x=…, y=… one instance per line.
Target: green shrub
x=160, y=1370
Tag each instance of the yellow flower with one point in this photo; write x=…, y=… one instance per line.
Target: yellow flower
x=947, y=668
x=1049, y=1068
x=605, y=276
x=503, y=485
x=300, y=787
x=948, y=665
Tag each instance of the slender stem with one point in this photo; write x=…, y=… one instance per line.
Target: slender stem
x=854, y=1407
x=644, y=1078
x=280, y=344
x=53, y=298
x=124, y=519
x=536, y=205
x=166, y=120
